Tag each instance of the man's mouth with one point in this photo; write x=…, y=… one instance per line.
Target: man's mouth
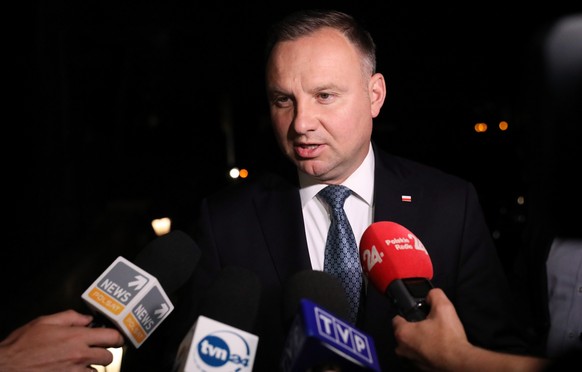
x=305, y=150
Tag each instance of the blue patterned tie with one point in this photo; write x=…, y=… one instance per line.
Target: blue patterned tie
x=341, y=251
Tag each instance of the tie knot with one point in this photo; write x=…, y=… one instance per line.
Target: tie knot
x=335, y=195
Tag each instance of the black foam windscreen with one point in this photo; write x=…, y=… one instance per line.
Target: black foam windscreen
x=317, y=286
x=233, y=298
x=171, y=258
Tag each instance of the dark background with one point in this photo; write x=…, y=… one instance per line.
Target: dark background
x=118, y=113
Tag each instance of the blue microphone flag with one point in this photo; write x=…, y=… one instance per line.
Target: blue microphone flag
x=318, y=338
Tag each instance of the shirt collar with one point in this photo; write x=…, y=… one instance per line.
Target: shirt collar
x=361, y=182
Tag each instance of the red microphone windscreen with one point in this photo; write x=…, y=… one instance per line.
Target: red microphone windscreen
x=389, y=251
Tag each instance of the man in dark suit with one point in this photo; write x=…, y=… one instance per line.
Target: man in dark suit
x=323, y=93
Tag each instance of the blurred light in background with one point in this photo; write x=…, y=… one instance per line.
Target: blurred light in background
x=238, y=173
x=521, y=200
x=480, y=127
x=162, y=226
x=233, y=173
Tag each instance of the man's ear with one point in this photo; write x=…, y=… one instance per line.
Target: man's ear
x=377, y=93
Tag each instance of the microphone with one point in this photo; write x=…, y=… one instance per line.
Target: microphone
x=398, y=265
x=131, y=296
x=319, y=340
x=220, y=339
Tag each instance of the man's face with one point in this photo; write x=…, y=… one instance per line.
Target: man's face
x=322, y=104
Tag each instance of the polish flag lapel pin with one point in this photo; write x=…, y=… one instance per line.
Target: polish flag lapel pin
x=406, y=198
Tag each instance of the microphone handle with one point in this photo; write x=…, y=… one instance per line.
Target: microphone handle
x=409, y=297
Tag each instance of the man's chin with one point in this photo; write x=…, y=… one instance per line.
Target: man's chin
x=313, y=168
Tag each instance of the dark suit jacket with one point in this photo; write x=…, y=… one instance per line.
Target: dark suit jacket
x=258, y=225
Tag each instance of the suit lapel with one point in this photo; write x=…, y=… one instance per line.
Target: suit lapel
x=395, y=199
x=283, y=228
x=391, y=203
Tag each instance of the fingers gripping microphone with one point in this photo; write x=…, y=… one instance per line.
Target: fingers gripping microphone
x=320, y=338
x=132, y=295
x=398, y=265
x=220, y=340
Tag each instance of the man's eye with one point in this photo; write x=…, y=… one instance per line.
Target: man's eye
x=281, y=101
x=326, y=97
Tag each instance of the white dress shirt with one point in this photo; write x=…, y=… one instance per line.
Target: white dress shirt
x=564, y=270
x=358, y=207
